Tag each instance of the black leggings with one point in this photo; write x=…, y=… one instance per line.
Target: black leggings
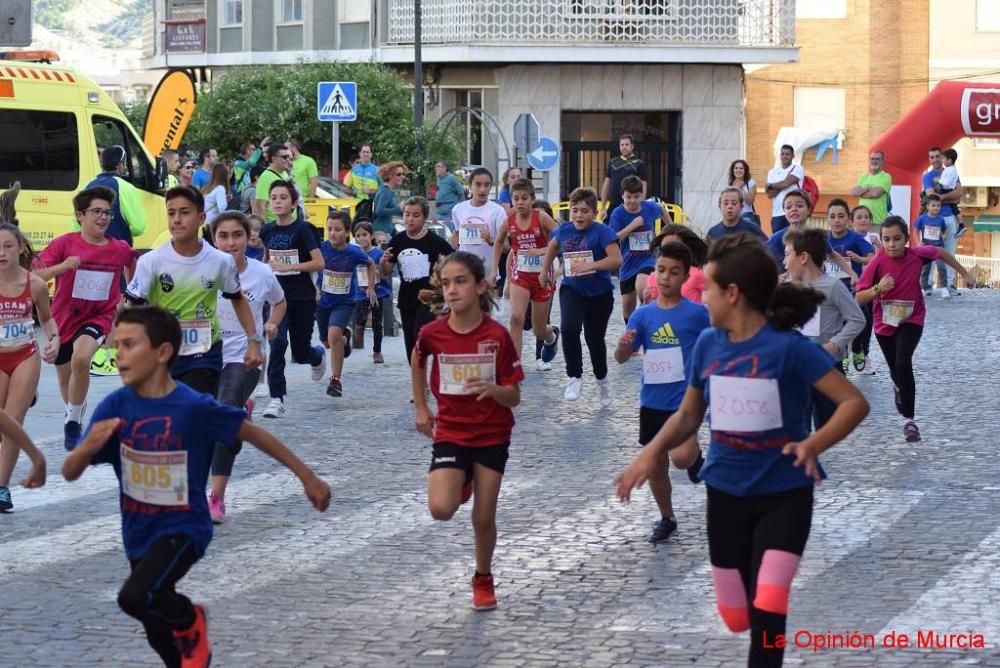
x=590, y=314
x=296, y=328
x=862, y=341
x=361, y=310
x=201, y=379
x=236, y=385
x=754, y=544
x=413, y=320
x=822, y=407
x=148, y=594
x=898, y=349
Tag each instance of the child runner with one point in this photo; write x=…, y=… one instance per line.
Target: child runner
x=160, y=436
x=364, y=234
x=694, y=286
x=891, y=282
x=666, y=331
x=185, y=276
x=475, y=379
x=933, y=232
x=293, y=251
x=337, y=285
x=848, y=244
x=797, y=213
x=255, y=247
x=861, y=220
x=20, y=363
x=416, y=249
x=90, y=266
x=635, y=223
x=837, y=320
x=755, y=373
x=231, y=231
x=477, y=220
x=586, y=299
x=733, y=221
x=529, y=230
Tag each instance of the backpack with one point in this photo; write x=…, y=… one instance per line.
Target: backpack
x=809, y=187
x=364, y=210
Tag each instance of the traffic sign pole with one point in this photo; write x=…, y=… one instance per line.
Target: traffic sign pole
x=335, y=137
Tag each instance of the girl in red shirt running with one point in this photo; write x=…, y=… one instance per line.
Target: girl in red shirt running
x=475, y=379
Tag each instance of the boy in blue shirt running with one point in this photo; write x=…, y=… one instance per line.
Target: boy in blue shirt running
x=160, y=436
x=666, y=330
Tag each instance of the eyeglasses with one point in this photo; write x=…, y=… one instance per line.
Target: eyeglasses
x=99, y=213
x=188, y=166
x=285, y=157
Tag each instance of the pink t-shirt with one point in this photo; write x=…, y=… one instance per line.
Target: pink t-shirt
x=905, y=302
x=692, y=288
x=90, y=294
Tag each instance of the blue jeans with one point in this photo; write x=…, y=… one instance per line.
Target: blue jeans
x=951, y=245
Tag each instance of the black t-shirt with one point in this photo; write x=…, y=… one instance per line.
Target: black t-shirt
x=618, y=169
x=301, y=237
x=416, y=259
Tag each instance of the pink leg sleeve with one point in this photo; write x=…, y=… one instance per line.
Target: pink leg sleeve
x=731, y=598
x=774, y=579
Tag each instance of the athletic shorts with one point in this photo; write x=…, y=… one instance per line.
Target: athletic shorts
x=538, y=293
x=9, y=361
x=651, y=421
x=334, y=316
x=454, y=456
x=627, y=285
x=66, y=347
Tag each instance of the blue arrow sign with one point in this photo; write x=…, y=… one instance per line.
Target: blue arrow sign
x=337, y=101
x=545, y=156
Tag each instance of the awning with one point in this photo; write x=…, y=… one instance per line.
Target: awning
x=987, y=223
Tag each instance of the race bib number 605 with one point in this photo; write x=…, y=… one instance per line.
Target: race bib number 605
x=156, y=478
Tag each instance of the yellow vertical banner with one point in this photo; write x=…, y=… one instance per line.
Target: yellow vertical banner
x=170, y=110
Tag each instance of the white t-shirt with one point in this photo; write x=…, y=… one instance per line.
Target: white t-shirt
x=259, y=286
x=949, y=178
x=469, y=219
x=215, y=203
x=780, y=174
x=749, y=187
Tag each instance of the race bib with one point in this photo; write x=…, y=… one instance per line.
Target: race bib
x=286, y=257
x=932, y=233
x=362, y=273
x=93, y=286
x=745, y=405
x=228, y=322
x=471, y=234
x=414, y=267
x=337, y=282
x=811, y=328
x=831, y=269
x=196, y=336
x=156, y=478
x=529, y=264
x=576, y=259
x=663, y=365
x=454, y=370
x=896, y=311
x=640, y=241
x=16, y=334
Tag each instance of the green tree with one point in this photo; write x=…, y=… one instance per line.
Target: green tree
x=136, y=115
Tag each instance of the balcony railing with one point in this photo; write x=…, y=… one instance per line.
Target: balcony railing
x=746, y=23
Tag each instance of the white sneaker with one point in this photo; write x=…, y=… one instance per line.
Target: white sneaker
x=275, y=408
x=319, y=370
x=262, y=391
x=573, y=389
x=541, y=365
x=604, y=387
x=869, y=367
x=944, y=293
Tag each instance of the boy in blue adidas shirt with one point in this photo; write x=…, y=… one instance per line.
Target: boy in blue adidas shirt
x=666, y=330
x=634, y=222
x=160, y=436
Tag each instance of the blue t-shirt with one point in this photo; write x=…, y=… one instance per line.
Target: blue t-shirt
x=255, y=253
x=200, y=178
x=776, y=245
x=183, y=421
x=742, y=226
x=659, y=328
x=595, y=239
x=925, y=221
x=852, y=241
x=947, y=208
x=339, y=266
x=758, y=394
x=383, y=288
x=504, y=196
x=636, y=255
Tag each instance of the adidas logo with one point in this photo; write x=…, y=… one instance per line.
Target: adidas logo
x=665, y=334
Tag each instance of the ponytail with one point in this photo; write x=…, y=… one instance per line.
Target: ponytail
x=792, y=305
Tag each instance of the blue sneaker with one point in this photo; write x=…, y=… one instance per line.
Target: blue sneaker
x=72, y=432
x=662, y=530
x=549, y=349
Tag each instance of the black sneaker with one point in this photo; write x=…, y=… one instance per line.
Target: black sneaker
x=5, y=502
x=662, y=530
x=347, y=343
x=335, y=389
x=71, y=435
x=911, y=432
x=695, y=468
x=549, y=349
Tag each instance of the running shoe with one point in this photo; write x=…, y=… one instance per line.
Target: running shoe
x=216, y=508
x=483, y=596
x=695, y=468
x=542, y=365
x=573, y=389
x=867, y=367
x=946, y=292
x=549, y=349
x=103, y=364
x=961, y=230
x=858, y=361
x=275, y=409
x=72, y=431
x=846, y=365
x=335, y=389
x=262, y=391
x=604, y=390
x=377, y=358
x=319, y=369
x=662, y=530
x=928, y=292
x=953, y=292
x=911, y=432
x=5, y=502
x=192, y=643
x=347, y=343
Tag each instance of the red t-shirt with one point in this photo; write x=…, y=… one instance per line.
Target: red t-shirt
x=905, y=302
x=486, y=350
x=90, y=294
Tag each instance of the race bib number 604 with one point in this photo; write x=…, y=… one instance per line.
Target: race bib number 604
x=744, y=405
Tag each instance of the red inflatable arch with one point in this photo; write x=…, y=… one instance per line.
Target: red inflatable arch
x=949, y=112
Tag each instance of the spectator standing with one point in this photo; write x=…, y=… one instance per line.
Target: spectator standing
x=127, y=217
x=363, y=179
x=503, y=199
x=626, y=164
x=949, y=202
x=449, y=191
x=304, y=170
x=172, y=161
x=739, y=178
x=216, y=192
x=874, y=187
x=203, y=175
x=782, y=180
x=248, y=158
x=186, y=172
x=385, y=205
x=279, y=161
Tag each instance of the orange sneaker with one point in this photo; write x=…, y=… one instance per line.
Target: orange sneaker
x=466, y=491
x=483, y=597
x=192, y=643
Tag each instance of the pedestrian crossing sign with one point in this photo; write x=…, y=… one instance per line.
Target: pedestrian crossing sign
x=337, y=101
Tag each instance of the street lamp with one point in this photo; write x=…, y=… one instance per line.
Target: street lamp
x=418, y=95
